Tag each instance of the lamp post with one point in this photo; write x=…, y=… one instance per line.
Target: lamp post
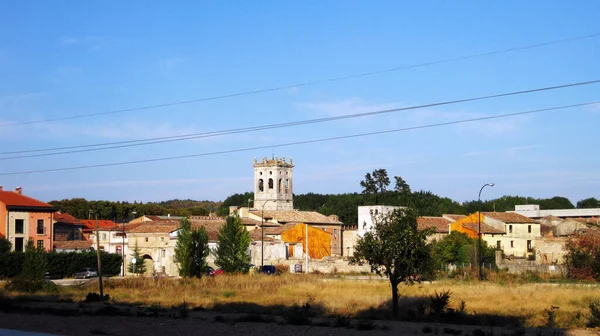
x=479, y=225
x=262, y=229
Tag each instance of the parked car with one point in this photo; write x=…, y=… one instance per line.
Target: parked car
x=86, y=273
x=212, y=272
x=267, y=269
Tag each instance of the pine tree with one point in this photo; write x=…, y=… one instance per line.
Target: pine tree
x=182, y=248
x=139, y=267
x=232, y=247
x=35, y=263
x=199, y=251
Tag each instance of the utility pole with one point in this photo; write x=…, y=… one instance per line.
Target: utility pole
x=98, y=256
x=306, y=254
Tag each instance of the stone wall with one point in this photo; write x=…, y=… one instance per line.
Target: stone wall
x=551, y=250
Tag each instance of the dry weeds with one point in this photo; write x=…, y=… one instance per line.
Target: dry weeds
x=529, y=302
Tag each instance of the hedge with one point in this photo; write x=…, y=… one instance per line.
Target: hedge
x=62, y=264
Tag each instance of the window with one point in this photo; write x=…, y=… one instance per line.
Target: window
x=280, y=185
x=529, y=228
x=19, y=244
x=512, y=243
x=146, y=239
x=261, y=186
x=119, y=249
x=40, y=227
x=40, y=244
x=104, y=236
x=529, y=246
x=19, y=225
x=162, y=238
x=270, y=183
x=510, y=229
x=498, y=245
x=163, y=253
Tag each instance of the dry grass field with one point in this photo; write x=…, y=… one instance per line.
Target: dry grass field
x=530, y=303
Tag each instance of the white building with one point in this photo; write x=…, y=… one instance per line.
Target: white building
x=368, y=212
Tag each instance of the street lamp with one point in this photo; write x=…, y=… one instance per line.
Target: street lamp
x=479, y=224
x=262, y=229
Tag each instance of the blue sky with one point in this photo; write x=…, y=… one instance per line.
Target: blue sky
x=65, y=58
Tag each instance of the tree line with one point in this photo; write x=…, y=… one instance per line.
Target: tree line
x=375, y=190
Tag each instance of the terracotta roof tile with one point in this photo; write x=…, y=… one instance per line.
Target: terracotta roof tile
x=11, y=198
x=509, y=217
x=453, y=217
x=485, y=229
x=90, y=224
x=66, y=218
x=73, y=244
x=439, y=223
x=155, y=228
x=294, y=216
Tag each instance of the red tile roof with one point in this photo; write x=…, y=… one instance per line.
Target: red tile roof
x=295, y=216
x=439, y=223
x=90, y=224
x=11, y=198
x=453, y=217
x=65, y=218
x=509, y=217
x=73, y=244
x=485, y=229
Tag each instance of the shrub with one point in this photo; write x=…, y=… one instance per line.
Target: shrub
x=595, y=314
x=439, y=302
x=95, y=297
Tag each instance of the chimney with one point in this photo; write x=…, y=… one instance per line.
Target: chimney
x=19, y=190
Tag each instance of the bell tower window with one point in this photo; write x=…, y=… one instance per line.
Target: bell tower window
x=270, y=183
x=261, y=186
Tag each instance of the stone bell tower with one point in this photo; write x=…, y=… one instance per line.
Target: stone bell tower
x=273, y=184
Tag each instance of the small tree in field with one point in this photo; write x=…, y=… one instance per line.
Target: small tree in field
x=395, y=248
x=232, y=247
x=182, y=248
x=137, y=267
x=199, y=251
x=35, y=263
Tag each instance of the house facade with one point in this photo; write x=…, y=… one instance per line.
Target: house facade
x=68, y=234
x=23, y=218
x=512, y=233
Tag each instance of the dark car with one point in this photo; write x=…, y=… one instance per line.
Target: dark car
x=267, y=269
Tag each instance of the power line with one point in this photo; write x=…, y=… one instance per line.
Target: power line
x=291, y=86
x=150, y=141
x=506, y=115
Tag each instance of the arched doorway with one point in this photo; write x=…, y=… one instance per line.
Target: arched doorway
x=149, y=263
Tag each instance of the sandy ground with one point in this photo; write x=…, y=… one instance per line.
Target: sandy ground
x=212, y=323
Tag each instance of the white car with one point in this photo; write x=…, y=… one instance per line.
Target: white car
x=86, y=273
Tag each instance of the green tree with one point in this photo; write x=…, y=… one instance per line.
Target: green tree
x=5, y=245
x=401, y=186
x=396, y=248
x=368, y=184
x=199, y=252
x=35, y=263
x=588, y=203
x=137, y=267
x=232, y=246
x=183, y=247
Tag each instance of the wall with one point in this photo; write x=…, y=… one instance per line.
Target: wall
x=519, y=237
x=46, y=236
x=275, y=252
x=365, y=219
x=551, y=250
x=160, y=248
x=349, y=242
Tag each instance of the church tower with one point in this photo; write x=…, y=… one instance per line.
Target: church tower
x=273, y=184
